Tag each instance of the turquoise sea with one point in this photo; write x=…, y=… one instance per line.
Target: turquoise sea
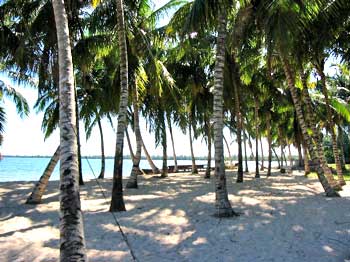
x=31, y=168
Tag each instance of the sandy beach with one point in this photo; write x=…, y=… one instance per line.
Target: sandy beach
x=283, y=218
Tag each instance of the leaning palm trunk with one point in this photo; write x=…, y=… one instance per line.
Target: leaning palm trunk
x=194, y=166
x=313, y=153
x=172, y=142
x=208, y=133
x=129, y=145
x=135, y=171
x=155, y=169
x=222, y=204
x=331, y=128
x=72, y=241
x=316, y=134
x=228, y=150
x=278, y=160
x=117, y=201
x=103, y=159
x=257, y=175
x=39, y=189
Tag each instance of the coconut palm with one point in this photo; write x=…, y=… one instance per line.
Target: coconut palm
x=72, y=243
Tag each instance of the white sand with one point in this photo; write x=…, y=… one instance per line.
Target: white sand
x=284, y=218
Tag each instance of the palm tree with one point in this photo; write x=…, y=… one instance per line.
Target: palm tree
x=72, y=243
x=117, y=201
x=39, y=189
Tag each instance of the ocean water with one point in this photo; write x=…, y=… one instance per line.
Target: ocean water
x=31, y=168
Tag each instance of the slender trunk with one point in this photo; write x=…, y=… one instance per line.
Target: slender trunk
x=39, y=189
x=228, y=150
x=257, y=175
x=117, y=201
x=238, y=116
x=245, y=152
x=331, y=127
x=132, y=155
x=222, y=204
x=341, y=148
x=72, y=240
x=103, y=159
x=208, y=133
x=154, y=168
x=135, y=171
x=194, y=167
x=316, y=134
x=269, y=141
x=164, y=172
x=172, y=142
x=262, y=155
x=306, y=159
x=278, y=160
x=300, y=158
x=291, y=85
x=251, y=147
x=290, y=156
x=81, y=181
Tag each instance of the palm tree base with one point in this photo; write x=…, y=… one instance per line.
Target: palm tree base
x=225, y=212
x=332, y=194
x=131, y=184
x=32, y=201
x=117, y=207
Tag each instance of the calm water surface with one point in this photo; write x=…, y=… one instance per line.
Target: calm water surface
x=31, y=168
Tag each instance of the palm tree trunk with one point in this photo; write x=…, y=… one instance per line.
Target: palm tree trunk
x=316, y=134
x=331, y=128
x=239, y=132
x=341, y=149
x=306, y=159
x=208, y=133
x=103, y=158
x=164, y=172
x=269, y=141
x=228, y=150
x=278, y=160
x=300, y=157
x=291, y=85
x=154, y=168
x=245, y=152
x=222, y=204
x=129, y=145
x=81, y=181
x=117, y=201
x=194, y=166
x=290, y=156
x=135, y=171
x=251, y=147
x=39, y=189
x=172, y=142
x=257, y=175
x=262, y=155
x=72, y=240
